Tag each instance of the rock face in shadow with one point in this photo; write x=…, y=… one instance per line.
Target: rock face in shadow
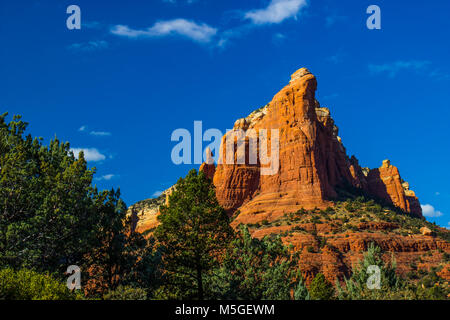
x=312, y=161
x=386, y=183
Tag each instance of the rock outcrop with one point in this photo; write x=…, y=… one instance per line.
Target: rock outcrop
x=386, y=183
x=143, y=214
x=208, y=167
x=426, y=231
x=313, y=168
x=312, y=161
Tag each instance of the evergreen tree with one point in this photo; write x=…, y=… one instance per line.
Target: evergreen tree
x=52, y=217
x=119, y=257
x=142, y=264
x=194, y=230
x=45, y=201
x=301, y=292
x=126, y=293
x=254, y=269
x=320, y=288
x=106, y=260
x=356, y=287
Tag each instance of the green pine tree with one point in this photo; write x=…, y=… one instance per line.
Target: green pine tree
x=194, y=230
x=320, y=288
x=254, y=269
x=356, y=287
x=52, y=217
x=301, y=292
x=45, y=201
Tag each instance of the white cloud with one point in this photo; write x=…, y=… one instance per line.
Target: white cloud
x=438, y=74
x=91, y=25
x=186, y=28
x=89, y=46
x=236, y=32
x=429, y=211
x=100, y=133
x=392, y=69
x=94, y=133
x=156, y=194
x=276, y=12
x=90, y=154
x=106, y=177
x=278, y=38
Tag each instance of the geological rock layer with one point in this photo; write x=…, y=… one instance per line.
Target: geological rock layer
x=313, y=162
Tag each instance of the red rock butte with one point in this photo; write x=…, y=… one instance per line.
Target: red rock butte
x=314, y=171
x=313, y=162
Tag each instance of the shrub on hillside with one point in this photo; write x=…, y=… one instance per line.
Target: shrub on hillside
x=30, y=285
x=126, y=293
x=320, y=288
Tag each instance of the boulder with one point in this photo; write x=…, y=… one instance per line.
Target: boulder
x=426, y=231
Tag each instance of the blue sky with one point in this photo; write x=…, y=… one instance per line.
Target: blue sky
x=137, y=70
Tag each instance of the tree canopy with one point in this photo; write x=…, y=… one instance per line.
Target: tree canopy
x=52, y=217
x=194, y=231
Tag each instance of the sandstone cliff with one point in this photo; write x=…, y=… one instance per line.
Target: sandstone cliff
x=301, y=201
x=312, y=162
x=143, y=214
